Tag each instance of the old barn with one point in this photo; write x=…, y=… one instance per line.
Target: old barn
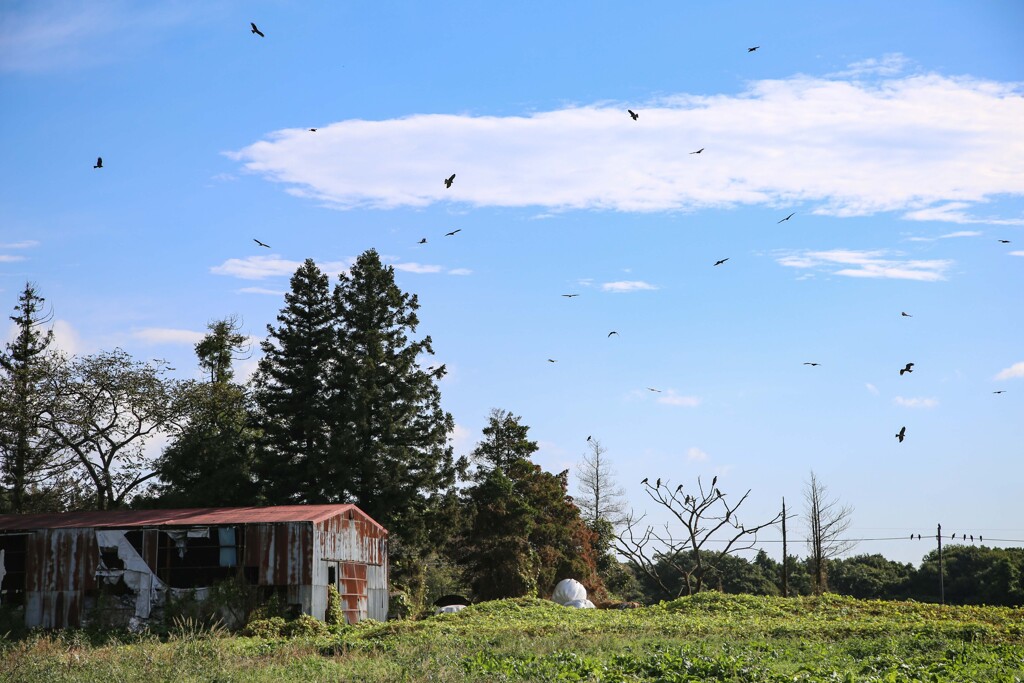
x=56, y=566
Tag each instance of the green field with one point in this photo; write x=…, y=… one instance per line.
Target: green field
x=709, y=637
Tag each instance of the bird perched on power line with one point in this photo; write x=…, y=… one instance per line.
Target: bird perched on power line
x=972, y=538
x=812, y=364
x=449, y=180
x=919, y=537
x=721, y=261
x=698, y=151
x=787, y=217
x=256, y=30
x=906, y=369
x=262, y=244
x=953, y=536
x=449, y=234
x=99, y=162
x=753, y=49
x=911, y=537
x=633, y=114
x=905, y=314
x=902, y=433
x=981, y=539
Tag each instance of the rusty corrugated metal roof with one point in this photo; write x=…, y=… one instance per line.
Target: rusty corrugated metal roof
x=187, y=517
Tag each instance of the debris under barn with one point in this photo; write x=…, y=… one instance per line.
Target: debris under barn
x=55, y=567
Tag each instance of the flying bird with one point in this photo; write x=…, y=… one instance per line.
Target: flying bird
x=422, y=241
x=1001, y=391
x=552, y=360
x=449, y=180
x=903, y=432
x=905, y=314
x=633, y=114
x=1005, y=241
x=256, y=30
x=698, y=151
x=752, y=49
x=449, y=234
x=569, y=296
x=906, y=369
x=657, y=391
x=99, y=162
x=262, y=244
x=613, y=332
x=787, y=217
x=312, y=130
x=812, y=364
x=720, y=262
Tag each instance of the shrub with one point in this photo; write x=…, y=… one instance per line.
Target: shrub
x=335, y=616
x=265, y=628
x=304, y=626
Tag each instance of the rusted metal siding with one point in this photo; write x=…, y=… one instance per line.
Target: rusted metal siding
x=353, y=548
x=60, y=567
x=282, y=553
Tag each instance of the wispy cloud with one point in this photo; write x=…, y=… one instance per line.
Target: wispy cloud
x=460, y=271
x=671, y=398
x=1014, y=371
x=849, y=146
x=24, y=244
x=954, y=212
x=871, y=388
x=891, y=64
x=10, y=258
x=1017, y=253
x=624, y=286
x=948, y=235
x=166, y=335
x=261, y=290
x=915, y=402
x=262, y=267
x=694, y=453
x=867, y=263
x=421, y=268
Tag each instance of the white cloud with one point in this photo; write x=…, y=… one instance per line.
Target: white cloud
x=671, y=398
x=460, y=271
x=891, y=64
x=915, y=402
x=420, y=268
x=871, y=388
x=953, y=212
x=867, y=263
x=8, y=258
x=463, y=440
x=24, y=244
x=695, y=453
x=66, y=338
x=949, y=235
x=850, y=147
x=261, y=267
x=627, y=286
x=1015, y=370
x=165, y=335
x=1017, y=253
x=261, y=290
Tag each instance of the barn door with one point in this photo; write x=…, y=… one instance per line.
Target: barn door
x=352, y=586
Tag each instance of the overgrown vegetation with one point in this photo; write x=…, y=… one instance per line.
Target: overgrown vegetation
x=706, y=637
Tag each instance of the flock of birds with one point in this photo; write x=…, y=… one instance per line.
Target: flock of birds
x=635, y=116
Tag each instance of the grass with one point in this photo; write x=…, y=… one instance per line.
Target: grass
x=709, y=637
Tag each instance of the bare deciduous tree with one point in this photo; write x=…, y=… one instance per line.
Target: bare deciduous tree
x=827, y=521
x=677, y=562
x=599, y=498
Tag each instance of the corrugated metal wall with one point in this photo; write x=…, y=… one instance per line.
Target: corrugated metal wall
x=354, y=551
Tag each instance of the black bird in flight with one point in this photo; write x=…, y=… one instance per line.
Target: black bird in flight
x=449, y=234
x=633, y=114
x=752, y=49
x=552, y=360
x=657, y=391
x=903, y=432
x=906, y=369
x=449, y=180
x=260, y=243
x=569, y=296
x=613, y=332
x=99, y=162
x=312, y=130
x=812, y=364
x=644, y=481
x=698, y=151
x=905, y=314
x=423, y=240
x=256, y=30
x=787, y=217
x=1005, y=241
x=720, y=262
x=1001, y=391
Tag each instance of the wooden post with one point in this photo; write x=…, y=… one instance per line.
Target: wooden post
x=942, y=589
x=785, y=559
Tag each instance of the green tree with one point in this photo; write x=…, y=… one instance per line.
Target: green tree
x=871, y=577
x=524, y=533
x=291, y=393
x=210, y=461
x=102, y=410
x=29, y=461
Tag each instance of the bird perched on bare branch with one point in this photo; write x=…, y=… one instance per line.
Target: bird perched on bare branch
x=588, y=438
x=99, y=162
x=657, y=484
x=901, y=434
x=721, y=261
x=256, y=30
x=262, y=244
x=714, y=480
x=633, y=114
x=644, y=480
x=449, y=180
x=906, y=369
x=679, y=488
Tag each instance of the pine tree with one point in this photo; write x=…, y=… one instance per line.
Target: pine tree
x=291, y=392
x=28, y=454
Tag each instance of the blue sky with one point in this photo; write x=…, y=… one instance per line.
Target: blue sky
x=890, y=130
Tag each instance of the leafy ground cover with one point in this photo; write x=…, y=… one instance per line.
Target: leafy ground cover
x=709, y=637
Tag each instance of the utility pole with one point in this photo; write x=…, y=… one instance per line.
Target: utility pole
x=785, y=556
x=942, y=589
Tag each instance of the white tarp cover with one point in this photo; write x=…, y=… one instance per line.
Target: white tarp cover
x=569, y=590
x=580, y=604
x=449, y=609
